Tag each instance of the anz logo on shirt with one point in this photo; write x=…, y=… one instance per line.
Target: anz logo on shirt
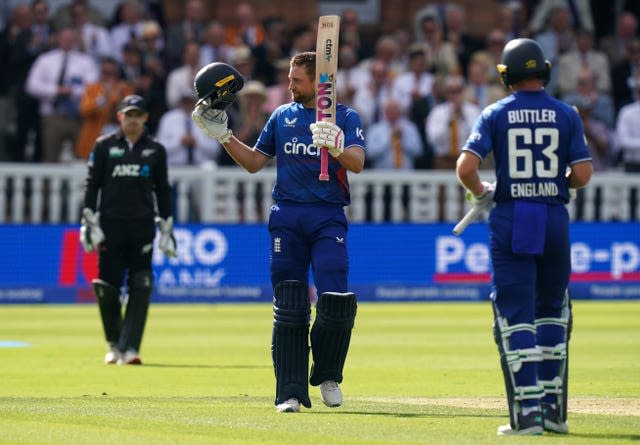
x=131, y=171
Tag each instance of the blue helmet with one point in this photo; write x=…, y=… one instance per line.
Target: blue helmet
x=522, y=59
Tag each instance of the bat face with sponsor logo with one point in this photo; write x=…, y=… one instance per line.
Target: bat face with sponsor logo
x=326, y=69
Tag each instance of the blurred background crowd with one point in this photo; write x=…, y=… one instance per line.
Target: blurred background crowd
x=418, y=88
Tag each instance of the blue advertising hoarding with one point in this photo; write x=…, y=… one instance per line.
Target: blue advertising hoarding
x=389, y=262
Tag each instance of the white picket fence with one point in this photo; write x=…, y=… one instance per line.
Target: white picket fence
x=53, y=193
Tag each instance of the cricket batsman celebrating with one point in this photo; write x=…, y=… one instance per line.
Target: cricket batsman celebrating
x=535, y=140
x=307, y=224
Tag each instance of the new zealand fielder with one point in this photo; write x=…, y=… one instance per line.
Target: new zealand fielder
x=127, y=180
x=307, y=224
x=535, y=140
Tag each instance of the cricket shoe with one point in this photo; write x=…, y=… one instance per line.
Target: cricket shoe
x=529, y=425
x=112, y=355
x=552, y=420
x=130, y=357
x=289, y=406
x=330, y=393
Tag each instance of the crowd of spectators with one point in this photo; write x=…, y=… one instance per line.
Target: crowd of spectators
x=418, y=89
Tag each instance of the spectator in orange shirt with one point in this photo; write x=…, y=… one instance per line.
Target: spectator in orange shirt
x=245, y=30
x=98, y=105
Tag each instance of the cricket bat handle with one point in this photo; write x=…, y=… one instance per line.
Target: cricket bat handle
x=324, y=164
x=467, y=219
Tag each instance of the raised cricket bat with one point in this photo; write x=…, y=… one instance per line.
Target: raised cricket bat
x=326, y=69
x=467, y=219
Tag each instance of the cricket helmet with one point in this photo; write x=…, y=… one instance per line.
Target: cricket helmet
x=217, y=84
x=521, y=59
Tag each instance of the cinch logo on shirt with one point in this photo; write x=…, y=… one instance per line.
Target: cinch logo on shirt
x=298, y=148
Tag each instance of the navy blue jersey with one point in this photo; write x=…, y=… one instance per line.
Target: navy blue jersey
x=534, y=138
x=287, y=137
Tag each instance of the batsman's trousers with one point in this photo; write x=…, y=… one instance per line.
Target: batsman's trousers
x=309, y=235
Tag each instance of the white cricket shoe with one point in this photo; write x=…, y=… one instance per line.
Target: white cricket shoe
x=289, y=406
x=529, y=425
x=330, y=393
x=130, y=357
x=112, y=355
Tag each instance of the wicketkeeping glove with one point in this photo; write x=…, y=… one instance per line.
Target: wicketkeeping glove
x=212, y=122
x=328, y=134
x=167, y=241
x=91, y=234
x=483, y=201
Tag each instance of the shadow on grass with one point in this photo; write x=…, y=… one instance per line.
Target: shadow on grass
x=404, y=415
x=177, y=366
x=604, y=437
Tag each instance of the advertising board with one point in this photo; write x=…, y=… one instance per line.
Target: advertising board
x=389, y=262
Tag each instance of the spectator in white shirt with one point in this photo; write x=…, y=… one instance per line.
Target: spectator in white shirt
x=183, y=140
x=394, y=142
x=584, y=56
x=186, y=146
x=58, y=79
x=370, y=96
x=181, y=78
x=479, y=91
x=449, y=124
x=416, y=82
x=628, y=130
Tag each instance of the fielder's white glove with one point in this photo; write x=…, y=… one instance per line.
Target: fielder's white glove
x=328, y=134
x=483, y=201
x=91, y=235
x=213, y=123
x=167, y=242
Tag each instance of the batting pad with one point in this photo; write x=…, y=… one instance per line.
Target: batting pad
x=290, y=342
x=331, y=335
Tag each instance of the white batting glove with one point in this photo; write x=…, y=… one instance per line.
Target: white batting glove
x=573, y=194
x=483, y=201
x=167, y=242
x=213, y=123
x=91, y=235
x=328, y=134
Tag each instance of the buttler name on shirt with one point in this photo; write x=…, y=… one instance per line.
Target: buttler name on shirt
x=535, y=116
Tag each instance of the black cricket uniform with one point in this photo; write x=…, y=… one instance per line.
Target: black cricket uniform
x=131, y=182
x=127, y=179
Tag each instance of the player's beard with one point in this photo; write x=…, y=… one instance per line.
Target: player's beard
x=302, y=98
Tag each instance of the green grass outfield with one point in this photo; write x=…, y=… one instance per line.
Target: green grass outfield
x=416, y=373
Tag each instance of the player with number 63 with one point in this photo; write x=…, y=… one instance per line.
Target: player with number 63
x=534, y=139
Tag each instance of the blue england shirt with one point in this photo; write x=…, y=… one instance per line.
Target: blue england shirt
x=534, y=138
x=287, y=137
